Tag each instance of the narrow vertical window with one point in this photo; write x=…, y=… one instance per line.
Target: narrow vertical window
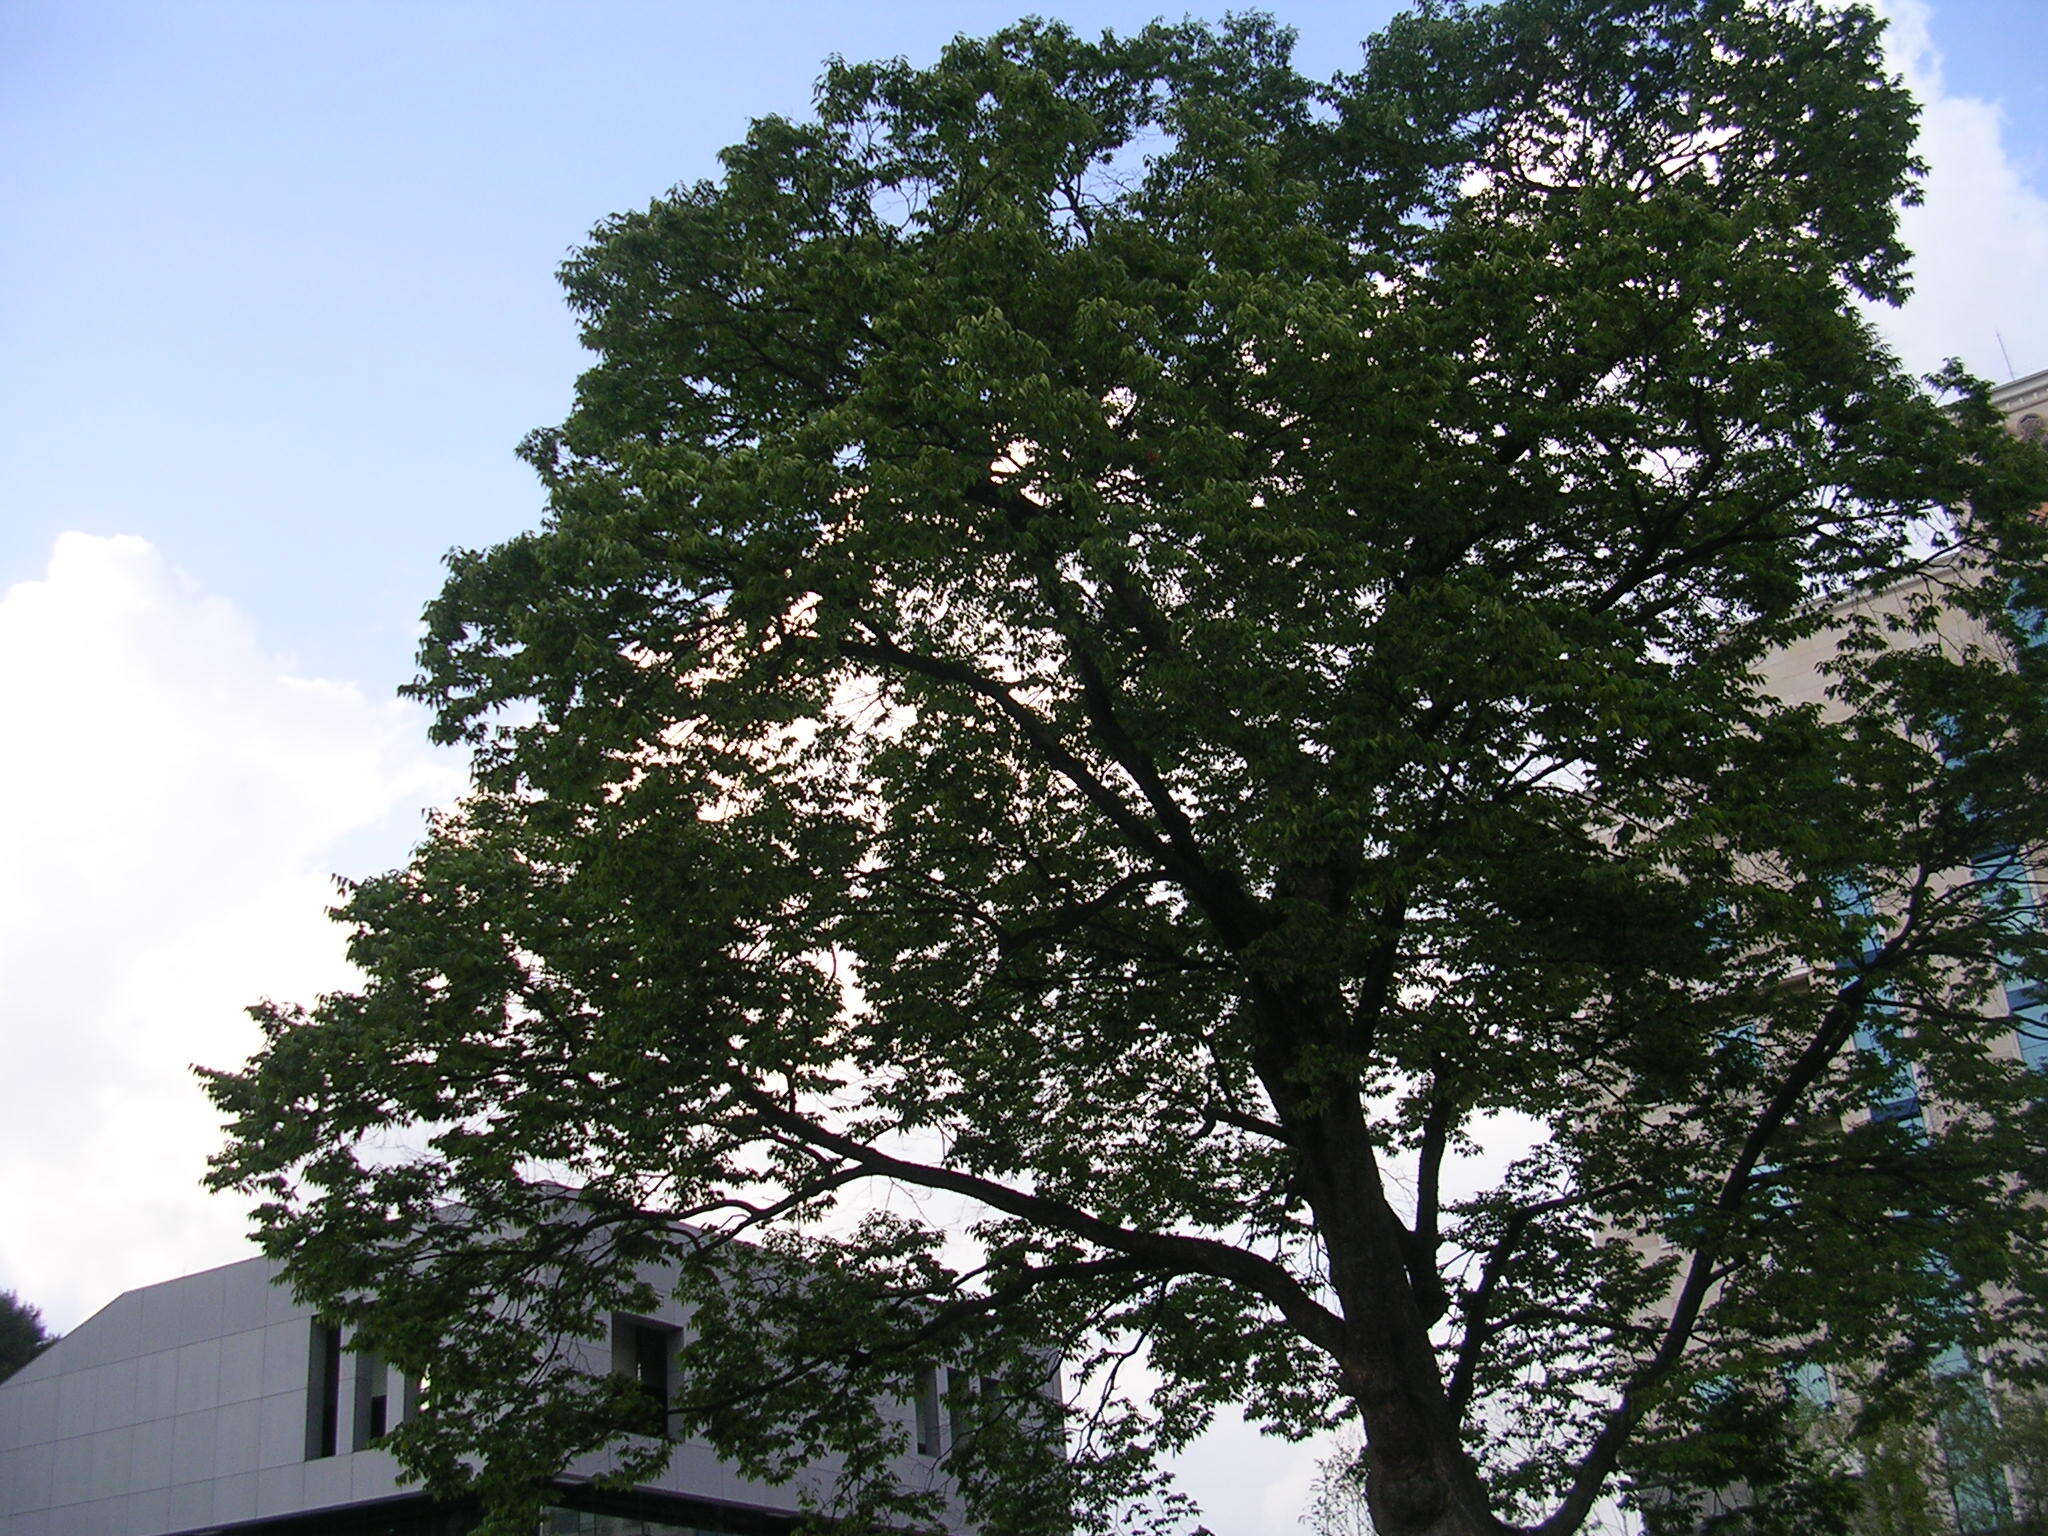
x=651, y=1367
x=323, y=1390
x=926, y=1400
x=960, y=1389
x=412, y=1397
x=1897, y=1100
x=2007, y=887
x=373, y=1401
x=641, y=1352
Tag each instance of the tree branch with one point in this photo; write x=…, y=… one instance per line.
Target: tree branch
x=1837, y=1025
x=1171, y=1252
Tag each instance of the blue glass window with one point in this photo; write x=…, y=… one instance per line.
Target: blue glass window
x=1810, y=1380
x=1897, y=1100
x=2008, y=887
x=2032, y=620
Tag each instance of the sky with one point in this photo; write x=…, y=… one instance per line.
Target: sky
x=276, y=305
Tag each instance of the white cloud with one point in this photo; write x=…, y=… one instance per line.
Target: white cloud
x=1248, y=1481
x=1980, y=238
x=170, y=815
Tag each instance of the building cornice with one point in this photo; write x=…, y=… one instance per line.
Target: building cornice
x=2016, y=396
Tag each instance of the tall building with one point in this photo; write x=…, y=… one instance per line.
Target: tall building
x=1797, y=673
x=1978, y=1494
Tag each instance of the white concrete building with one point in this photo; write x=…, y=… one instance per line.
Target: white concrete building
x=215, y=1403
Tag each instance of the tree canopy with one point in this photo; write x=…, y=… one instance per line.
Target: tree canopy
x=1130, y=653
x=22, y=1334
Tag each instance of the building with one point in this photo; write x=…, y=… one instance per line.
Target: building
x=1796, y=675
x=1970, y=1487
x=215, y=1403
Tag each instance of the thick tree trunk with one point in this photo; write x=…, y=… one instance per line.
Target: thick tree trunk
x=1419, y=1480
x=1413, y=1490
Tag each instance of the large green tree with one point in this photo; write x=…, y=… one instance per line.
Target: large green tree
x=1130, y=649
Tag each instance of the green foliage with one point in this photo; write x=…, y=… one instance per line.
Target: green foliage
x=22, y=1335
x=1749, y=1460
x=2020, y=1445
x=1904, y=1485
x=1137, y=646
x=1936, y=1465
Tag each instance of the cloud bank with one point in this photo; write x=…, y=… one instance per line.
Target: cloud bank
x=1979, y=237
x=176, y=801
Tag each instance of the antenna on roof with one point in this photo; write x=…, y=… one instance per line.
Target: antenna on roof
x=2009, y=374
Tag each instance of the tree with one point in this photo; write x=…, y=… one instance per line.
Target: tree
x=1140, y=645
x=1336, y=1505
x=1964, y=1462
x=2020, y=1445
x=22, y=1335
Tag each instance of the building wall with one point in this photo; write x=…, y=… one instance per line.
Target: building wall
x=178, y=1406
x=1796, y=674
x=182, y=1407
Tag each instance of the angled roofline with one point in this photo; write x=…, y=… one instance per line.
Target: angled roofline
x=2017, y=394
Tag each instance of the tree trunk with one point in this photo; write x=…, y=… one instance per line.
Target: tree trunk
x=1419, y=1480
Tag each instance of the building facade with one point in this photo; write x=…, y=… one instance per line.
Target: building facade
x=1972, y=1490
x=217, y=1403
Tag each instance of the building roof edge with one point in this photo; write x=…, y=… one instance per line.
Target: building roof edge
x=2016, y=394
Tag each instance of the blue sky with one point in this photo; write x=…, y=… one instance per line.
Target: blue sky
x=276, y=304
x=276, y=290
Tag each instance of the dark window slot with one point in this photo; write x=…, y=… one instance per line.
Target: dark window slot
x=323, y=1391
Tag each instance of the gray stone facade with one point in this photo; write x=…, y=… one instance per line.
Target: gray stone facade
x=201, y=1405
